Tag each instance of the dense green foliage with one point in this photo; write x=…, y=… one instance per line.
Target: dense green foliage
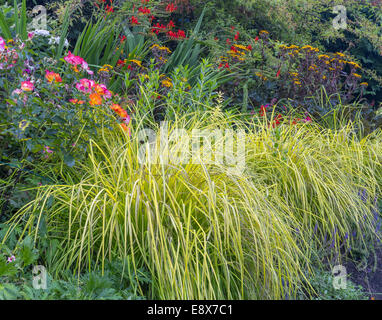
x=81, y=100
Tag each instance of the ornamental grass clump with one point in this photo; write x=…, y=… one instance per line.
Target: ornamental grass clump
x=209, y=230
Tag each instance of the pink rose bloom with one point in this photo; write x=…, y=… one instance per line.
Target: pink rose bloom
x=81, y=88
x=27, y=86
x=76, y=60
x=72, y=59
x=11, y=259
x=17, y=91
x=85, y=66
x=89, y=84
x=107, y=93
x=85, y=85
x=2, y=44
x=48, y=150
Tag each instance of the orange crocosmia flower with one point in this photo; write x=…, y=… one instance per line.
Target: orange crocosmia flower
x=95, y=99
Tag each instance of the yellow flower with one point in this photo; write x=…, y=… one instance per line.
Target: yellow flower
x=163, y=48
x=261, y=76
x=356, y=65
x=105, y=68
x=364, y=84
x=241, y=47
x=139, y=63
x=357, y=75
x=310, y=48
x=167, y=82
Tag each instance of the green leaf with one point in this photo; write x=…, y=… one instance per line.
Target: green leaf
x=69, y=160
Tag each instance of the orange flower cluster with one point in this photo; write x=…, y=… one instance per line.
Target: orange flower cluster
x=52, y=76
x=119, y=110
x=95, y=99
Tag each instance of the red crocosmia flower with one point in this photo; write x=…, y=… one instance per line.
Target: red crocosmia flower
x=171, y=8
x=237, y=36
x=263, y=110
x=144, y=10
x=278, y=73
x=109, y=8
x=172, y=34
x=233, y=48
x=249, y=47
x=120, y=63
x=228, y=41
x=257, y=39
x=277, y=120
x=157, y=27
x=181, y=34
x=232, y=27
x=216, y=38
x=122, y=39
x=171, y=24
x=177, y=35
x=134, y=21
x=220, y=66
x=129, y=67
x=226, y=66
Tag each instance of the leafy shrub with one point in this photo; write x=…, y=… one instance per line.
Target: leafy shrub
x=45, y=112
x=322, y=282
x=16, y=276
x=307, y=23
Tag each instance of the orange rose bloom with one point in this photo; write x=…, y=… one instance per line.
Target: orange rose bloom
x=95, y=99
x=51, y=76
x=99, y=89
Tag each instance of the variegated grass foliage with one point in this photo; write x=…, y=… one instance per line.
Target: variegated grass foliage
x=209, y=231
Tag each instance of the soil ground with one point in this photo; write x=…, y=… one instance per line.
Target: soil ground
x=367, y=272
